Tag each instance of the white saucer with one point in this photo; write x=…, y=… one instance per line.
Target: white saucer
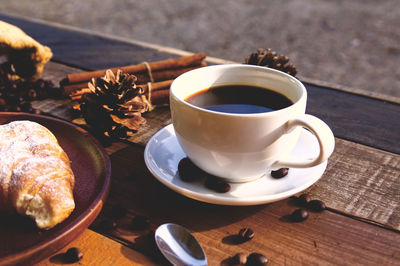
x=163, y=153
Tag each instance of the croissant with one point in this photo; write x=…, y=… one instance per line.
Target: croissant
x=36, y=179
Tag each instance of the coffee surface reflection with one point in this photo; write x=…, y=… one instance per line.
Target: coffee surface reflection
x=239, y=99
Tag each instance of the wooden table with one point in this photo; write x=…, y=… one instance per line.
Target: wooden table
x=361, y=185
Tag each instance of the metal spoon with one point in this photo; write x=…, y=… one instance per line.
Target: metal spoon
x=179, y=246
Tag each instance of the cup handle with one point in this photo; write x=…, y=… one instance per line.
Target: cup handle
x=323, y=134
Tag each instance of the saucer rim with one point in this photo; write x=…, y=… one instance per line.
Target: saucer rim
x=222, y=198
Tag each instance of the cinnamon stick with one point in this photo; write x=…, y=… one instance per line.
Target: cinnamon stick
x=172, y=63
x=160, y=97
x=159, y=92
x=166, y=74
x=161, y=73
x=155, y=86
x=71, y=88
x=76, y=95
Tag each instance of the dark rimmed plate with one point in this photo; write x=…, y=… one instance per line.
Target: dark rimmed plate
x=20, y=240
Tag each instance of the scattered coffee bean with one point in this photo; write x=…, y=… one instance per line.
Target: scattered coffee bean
x=188, y=171
x=17, y=92
x=303, y=200
x=140, y=222
x=246, y=234
x=107, y=225
x=239, y=259
x=216, y=184
x=32, y=94
x=299, y=215
x=280, y=173
x=36, y=111
x=316, y=206
x=255, y=259
x=73, y=255
x=118, y=211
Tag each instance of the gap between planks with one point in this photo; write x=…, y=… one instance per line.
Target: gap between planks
x=360, y=181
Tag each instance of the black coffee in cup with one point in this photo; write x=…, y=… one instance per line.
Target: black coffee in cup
x=239, y=146
x=239, y=99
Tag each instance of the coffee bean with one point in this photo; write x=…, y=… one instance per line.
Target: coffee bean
x=36, y=111
x=316, y=206
x=255, y=259
x=223, y=187
x=32, y=94
x=107, y=225
x=188, y=171
x=140, y=222
x=303, y=200
x=73, y=255
x=246, y=234
x=239, y=259
x=280, y=173
x=118, y=211
x=216, y=184
x=299, y=215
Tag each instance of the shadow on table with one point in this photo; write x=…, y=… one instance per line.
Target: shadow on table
x=134, y=187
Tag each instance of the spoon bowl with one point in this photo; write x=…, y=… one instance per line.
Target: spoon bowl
x=179, y=246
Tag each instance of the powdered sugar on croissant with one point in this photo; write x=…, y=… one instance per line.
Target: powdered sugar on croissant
x=36, y=179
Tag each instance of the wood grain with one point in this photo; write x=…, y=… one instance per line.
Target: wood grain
x=325, y=238
x=357, y=118
x=362, y=182
x=88, y=51
x=352, y=117
x=359, y=181
x=94, y=247
x=56, y=71
x=360, y=185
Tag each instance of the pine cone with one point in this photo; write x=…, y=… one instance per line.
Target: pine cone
x=269, y=58
x=114, y=107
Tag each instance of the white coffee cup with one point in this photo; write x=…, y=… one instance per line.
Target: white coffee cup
x=243, y=147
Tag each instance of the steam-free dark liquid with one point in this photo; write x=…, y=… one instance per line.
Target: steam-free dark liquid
x=239, y=99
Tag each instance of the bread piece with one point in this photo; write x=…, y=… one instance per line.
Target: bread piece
x=36, y=179
x=26, y=55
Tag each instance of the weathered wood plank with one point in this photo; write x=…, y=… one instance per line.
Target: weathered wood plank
x=360, y=119
x=325, y=238
x=56, y=71
x=357, y=118
x=86, y=51
x=353, y=117
x=99, y=250
x=363, y=182
x=347, y=186
x=359, y=181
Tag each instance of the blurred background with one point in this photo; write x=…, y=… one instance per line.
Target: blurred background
x=350, y=43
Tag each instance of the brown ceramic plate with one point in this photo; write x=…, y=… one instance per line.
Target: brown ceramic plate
x=20, y=240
